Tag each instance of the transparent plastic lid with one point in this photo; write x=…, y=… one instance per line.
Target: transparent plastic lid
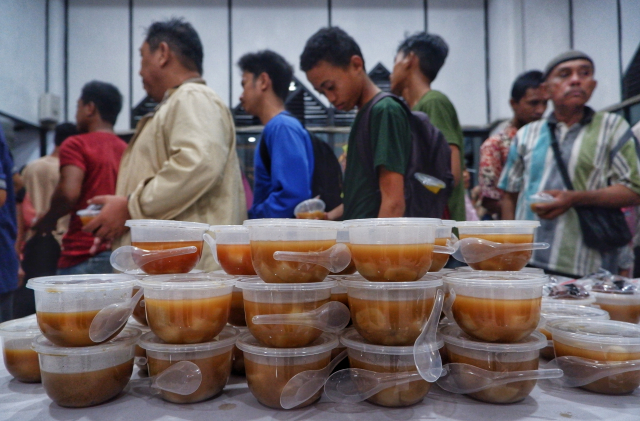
x=499, y=224
x=254, y=283
x=226, y=338
x=24, y=327
x=326, y=342
x=228, y=228
x=596, y=331
x=495, y=279
x=554, y=311
x=357, y=281
x=88, y=212
x=382, y=222
x=448, y=222
x=453, y=335
x=187, y=281
x=343, y=236
x=134, y=223
x=527, y=270
x=128, y=337
x=310, y=205
x=80, y=282
x=292, y=223
x=352, y=339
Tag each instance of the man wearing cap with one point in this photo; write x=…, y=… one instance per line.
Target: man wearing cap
x=600, y=154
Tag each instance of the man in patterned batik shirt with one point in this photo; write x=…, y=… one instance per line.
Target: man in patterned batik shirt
x=601, y=156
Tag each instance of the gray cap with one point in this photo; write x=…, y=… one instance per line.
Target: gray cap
x=566, y=56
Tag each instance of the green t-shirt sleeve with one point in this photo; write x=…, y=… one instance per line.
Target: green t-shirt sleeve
x=390, y=136
x=443, y=115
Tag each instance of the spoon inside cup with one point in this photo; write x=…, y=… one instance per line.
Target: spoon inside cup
x=354, y=385
x=301, y=387
x=425, y=353
x=474, y=250
x=111, y=318
x=182, y=378
x=581, y=371
x=130, y=258
x=336, y=258
x=465, y=378
x=331, y=317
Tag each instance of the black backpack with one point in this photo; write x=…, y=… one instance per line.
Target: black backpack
x=327, y=173
x=430, y=154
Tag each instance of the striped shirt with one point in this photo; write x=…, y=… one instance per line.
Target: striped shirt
x=598, y=151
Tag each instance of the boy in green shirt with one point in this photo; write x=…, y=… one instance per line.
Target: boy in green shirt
x=417, y=62
x=335, y=67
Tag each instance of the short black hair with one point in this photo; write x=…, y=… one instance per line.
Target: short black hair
x=182, y=39
x=527, y=80
x=106, y=97
x=332, y=45
x=431, y=50
x=63, y=131
x=273, y=64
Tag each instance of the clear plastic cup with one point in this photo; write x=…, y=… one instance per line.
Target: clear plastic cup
x=623, y=307
x=386, y=359
x=496, y=307
x=603, y=341
x=237, y=366
x=212, y=357
x=151, y=234
x=269, y=369
x=264, y=298
x=78, y=377
x=443, y=235
x=141, y=355
x=19, y=359
x=87, y=215
x=392, y=249
x=535, y=271
x=67, y=304
x=343, y=237
x=232, y=249
x=522, y=355
x=510, y=232
x=310, y=209
x=391, y=313
x=270, y=235
x=553, y=311
x=187, y=308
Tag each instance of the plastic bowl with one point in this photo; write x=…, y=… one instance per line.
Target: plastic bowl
x=269, y=369
x=66, y=305
x=263, y=298
x=270, y=235
x=386, y=359
x=443, y=234
x=19, y=359
x=602, y=341
x=151, y=234
x=187, y=308
x=392, y=249
x=391, y=313
x=511, y=232
x=310, y=209
x=213, y=358
x=496, y=307
x=86, y=376
x=233, y=249
x=552, y=311
x=87, y=215
x=519, y=356
x=621, y=307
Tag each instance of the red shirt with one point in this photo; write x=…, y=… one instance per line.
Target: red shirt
x=98, y=154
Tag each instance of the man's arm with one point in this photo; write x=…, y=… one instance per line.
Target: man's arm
x=456, y=170
x=616, y=196
x=3, y=197
x=64, y=198
x=392, y=203
x=508, y=205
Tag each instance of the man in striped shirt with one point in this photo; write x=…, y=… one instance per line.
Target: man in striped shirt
x=601, y=156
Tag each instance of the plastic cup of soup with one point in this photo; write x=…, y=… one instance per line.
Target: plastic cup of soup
x=443, y=234
x=507, y=232
x=87, y=215
x=67, y=304
x=20, y=360
x=604, y=341
x=623, y=307
x=310, y=209
x=269, y=369
x=552, y=311
x=391, y=313
x=261, y=298
x=78, y=377
x=392, y=249
x=289, y=235
x=343, y=237
x=522, y=355
x=496, y=307
x=387, y=359
x=187, y=308
x=213, y=358
x=232, y=249
x=151, y=234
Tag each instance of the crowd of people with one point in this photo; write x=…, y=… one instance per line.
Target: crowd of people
x=181, y=163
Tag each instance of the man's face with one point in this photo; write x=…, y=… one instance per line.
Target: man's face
x=339, y=85
x=531, y=106
x=400, y=73
x=82, y=122
x=250, y=96
x=150, y=72
x=571, y=83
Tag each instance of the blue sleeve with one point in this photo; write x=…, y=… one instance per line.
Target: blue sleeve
x=3, y=152
x=291, y=172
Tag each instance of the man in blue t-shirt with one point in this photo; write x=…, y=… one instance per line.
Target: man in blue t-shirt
x=285, y=179
x=8, y=231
